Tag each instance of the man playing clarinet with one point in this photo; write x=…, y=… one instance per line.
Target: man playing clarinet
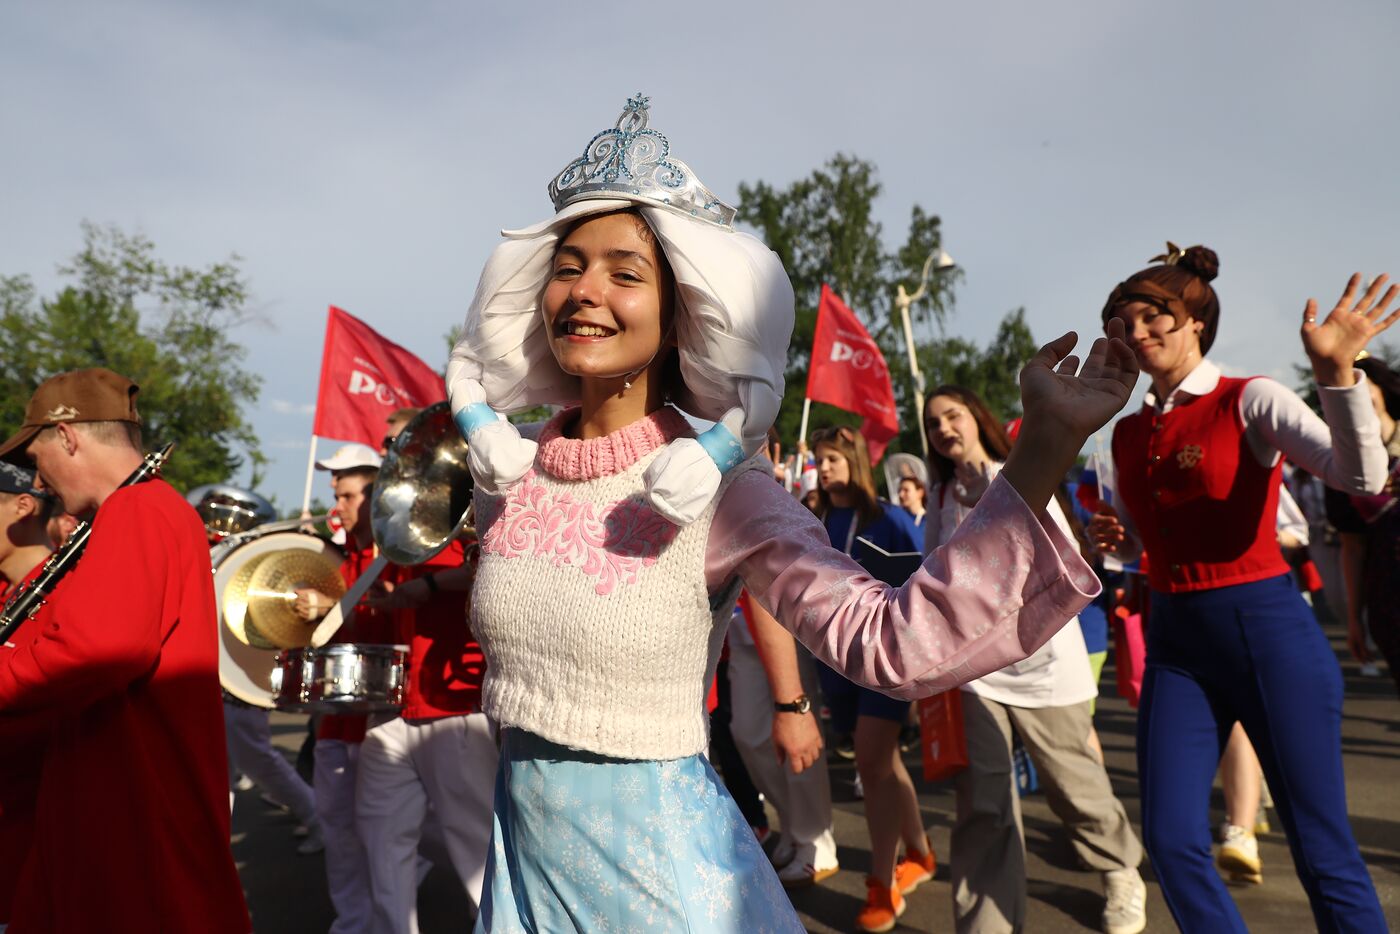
x=118, y=674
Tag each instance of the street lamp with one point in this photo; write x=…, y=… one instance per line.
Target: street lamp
x=937, y=260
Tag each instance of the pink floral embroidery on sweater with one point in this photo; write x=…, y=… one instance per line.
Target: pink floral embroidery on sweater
x=613, y=545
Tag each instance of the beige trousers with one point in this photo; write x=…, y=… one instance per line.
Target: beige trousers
x=988, y=858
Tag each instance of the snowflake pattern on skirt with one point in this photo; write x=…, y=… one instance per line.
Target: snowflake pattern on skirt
x=582, y=842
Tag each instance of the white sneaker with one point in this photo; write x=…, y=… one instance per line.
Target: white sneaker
x=244, y=783
x=1370, y=670
x=783, y=853
x=1125, y=905
x=803, y=870
x=1239, y=855
x=858, y=788
x=314, y=842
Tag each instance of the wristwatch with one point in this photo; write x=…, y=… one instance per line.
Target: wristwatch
x=801, y=705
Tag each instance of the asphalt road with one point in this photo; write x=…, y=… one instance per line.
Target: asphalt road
x=287, y=892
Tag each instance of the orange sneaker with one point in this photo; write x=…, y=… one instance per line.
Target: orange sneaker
x=914, y=869
x=883, y=906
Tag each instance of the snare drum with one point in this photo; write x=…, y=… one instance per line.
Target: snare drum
x=341, y=678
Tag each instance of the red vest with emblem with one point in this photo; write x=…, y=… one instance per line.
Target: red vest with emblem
x=1204, y=506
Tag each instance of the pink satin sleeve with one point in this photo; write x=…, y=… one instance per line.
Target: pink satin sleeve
x=999, y=589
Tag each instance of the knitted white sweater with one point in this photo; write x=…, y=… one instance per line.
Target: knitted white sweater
x=590, y=607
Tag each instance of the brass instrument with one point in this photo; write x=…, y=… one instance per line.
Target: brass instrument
x=29, y=598
x=227, y=510
x=422, y=499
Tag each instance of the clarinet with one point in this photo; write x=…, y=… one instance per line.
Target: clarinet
x=29, y=598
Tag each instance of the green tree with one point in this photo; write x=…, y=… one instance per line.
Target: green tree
x=166, y=327
x=992, y=372
x=823, y=229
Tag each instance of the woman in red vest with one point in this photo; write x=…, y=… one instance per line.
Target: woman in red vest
x=1231, y=639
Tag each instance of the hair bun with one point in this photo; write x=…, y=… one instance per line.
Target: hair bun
x=1200, y=260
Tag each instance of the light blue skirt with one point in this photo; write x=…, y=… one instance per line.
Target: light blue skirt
x=582, y=842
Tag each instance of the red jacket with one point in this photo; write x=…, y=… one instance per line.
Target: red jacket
x=1205, y=508
x=365, y=625
x=19, y=789
x=119, y=673
x=445, y=663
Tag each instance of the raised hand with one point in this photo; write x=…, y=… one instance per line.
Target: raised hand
x=1063, y=408
x=1332, y=346
x=1053, y=395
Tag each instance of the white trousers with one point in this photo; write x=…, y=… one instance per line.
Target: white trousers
x=250, y=751
x=406, y=768
x=347, y=869
x=803, y=802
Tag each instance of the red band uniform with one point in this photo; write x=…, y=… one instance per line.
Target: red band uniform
x=119, y=671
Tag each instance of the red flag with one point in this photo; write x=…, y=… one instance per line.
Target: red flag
x=849, y=372
x=364, y=379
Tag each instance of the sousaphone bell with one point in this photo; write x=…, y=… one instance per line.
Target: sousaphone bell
x=422, y=499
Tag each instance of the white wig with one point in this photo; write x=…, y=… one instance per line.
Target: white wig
x=734, y=317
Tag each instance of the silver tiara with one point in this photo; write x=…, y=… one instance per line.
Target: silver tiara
x=632, y=160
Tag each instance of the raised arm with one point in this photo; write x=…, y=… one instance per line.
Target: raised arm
x=1000, y=588
x=1344, y=451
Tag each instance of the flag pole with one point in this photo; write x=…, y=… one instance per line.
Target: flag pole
x=806, y=411
x=310, y=473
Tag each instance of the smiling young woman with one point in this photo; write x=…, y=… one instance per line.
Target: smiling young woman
x=1230, y=638
x=610, y=309
x=613, y=542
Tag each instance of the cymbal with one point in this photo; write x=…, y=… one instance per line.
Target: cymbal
x=271, y=591
x=236, y=604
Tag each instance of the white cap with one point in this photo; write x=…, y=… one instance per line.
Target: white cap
x=349, y=457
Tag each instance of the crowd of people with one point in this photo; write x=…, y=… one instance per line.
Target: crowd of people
x=634, y=566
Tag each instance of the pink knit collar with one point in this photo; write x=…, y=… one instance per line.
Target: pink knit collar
x=575, y=459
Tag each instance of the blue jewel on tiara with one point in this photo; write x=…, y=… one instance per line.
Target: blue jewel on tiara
x=632, y=159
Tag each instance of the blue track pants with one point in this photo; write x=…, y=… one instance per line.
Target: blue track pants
x=1252, y=653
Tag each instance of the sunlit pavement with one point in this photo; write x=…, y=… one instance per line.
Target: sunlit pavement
x=287, y=892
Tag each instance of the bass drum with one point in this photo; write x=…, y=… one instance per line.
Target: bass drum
x=246, y=671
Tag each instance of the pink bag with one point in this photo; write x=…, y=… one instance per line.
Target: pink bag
x=1130, y=653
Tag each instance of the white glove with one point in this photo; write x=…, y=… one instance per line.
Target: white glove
x=682, y=481
x=499, y=456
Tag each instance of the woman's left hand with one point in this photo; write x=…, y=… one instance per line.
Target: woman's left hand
x=1332, y=346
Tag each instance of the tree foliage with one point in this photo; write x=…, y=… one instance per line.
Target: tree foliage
x=166, y=327
x=823, y=229
x=992, y=372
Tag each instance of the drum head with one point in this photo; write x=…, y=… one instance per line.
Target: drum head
x=245, y=671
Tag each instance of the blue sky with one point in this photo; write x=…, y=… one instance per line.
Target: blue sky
x=367, y=154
